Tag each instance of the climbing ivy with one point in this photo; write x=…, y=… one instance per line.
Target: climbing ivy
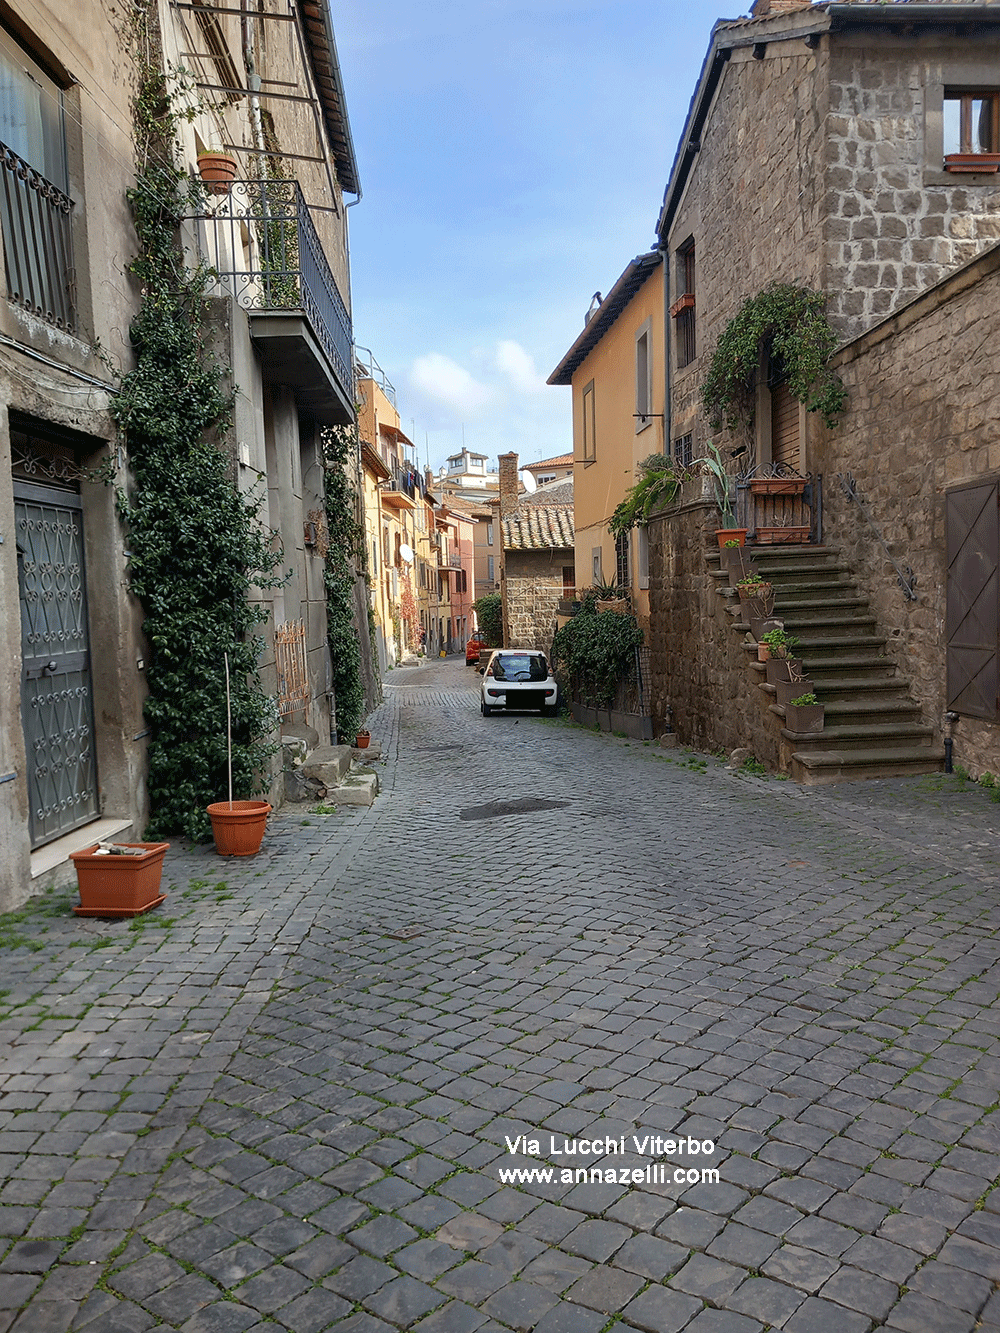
x=789, y=321
x=345, y=555
x=489, y=616
x=197, y=550
x=595, y=649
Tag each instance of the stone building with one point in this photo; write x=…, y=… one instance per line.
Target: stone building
x=73, y=736
x=536, y=570
x=850, y=149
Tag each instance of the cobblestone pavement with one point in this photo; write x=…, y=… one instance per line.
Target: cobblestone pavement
x=282, y=1101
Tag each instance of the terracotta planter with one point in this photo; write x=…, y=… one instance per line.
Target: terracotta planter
x=777, y=485
x=217, y=170
x=787, y=690
x=773, y=536
x=737, y=562
x=779, y=668
x=763, y=652
x=731, y=534
x=119, y=886
x=362, y=740
x=238, y=829
x=757, y=593
x=804, y=718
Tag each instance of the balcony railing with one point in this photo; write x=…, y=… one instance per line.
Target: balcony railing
x=38, y=244
x=262, y=242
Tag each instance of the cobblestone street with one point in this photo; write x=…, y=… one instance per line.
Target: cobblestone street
x=282, y=1101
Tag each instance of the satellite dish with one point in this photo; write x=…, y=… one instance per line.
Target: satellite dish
x=406, y=552
x=530, y=484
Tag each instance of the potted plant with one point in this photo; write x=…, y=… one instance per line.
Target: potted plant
x=787, y=690
x=119, y=879
x=716, y=469
x=804, y=714
x=775, y=643
x=237, y=826
x=363, y=739
x=218, y=170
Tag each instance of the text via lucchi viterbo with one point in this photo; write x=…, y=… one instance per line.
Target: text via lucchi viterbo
x=667, y=1161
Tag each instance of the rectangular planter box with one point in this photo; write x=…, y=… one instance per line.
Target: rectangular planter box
x=119, y=886
x=774, y=536
x=777, y=485
x=787, y=690
x=804, y=718
x=636, y=725
x=779, y=668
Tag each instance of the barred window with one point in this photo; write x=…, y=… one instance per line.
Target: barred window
x=623, y=576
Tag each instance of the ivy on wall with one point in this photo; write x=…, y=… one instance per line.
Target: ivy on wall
x=595, y=649
x=658, y=481
x=197, y=549
x=489, y=616
x=347, y=553
x=789, y=322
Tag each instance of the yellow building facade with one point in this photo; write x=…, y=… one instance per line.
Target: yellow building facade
x=616, y=372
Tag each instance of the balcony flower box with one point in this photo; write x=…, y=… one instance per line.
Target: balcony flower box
x=777, y=485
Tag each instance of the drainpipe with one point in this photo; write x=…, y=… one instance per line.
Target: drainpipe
x=949, y=721
x=253, y=83
x=667, y=423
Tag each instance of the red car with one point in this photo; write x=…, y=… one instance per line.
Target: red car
x=474, y=647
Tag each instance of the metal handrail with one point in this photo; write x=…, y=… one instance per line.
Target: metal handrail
x=907, y=578
x=261, y=240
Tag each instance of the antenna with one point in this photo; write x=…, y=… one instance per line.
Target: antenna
x=529, y=482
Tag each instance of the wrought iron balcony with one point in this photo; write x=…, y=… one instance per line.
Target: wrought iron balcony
x=36, y=218
x=261, y=241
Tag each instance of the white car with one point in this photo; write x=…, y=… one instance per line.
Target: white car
x=518, y=678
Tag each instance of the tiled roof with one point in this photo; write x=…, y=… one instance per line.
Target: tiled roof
x=563, y=460
x=538, y=528
x=559, y=492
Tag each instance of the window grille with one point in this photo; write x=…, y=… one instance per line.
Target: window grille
x=290, y=661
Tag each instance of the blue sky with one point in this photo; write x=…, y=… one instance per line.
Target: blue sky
x=513, y=159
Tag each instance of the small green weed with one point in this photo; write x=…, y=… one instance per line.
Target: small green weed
x=753, y=768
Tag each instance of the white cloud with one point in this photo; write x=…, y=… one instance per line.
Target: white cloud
x=449, y=384
x=514, y=362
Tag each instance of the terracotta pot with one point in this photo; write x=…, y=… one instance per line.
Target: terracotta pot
x=763, y=652
x=804, y=718
x=116, y=885
x=238, y=829
x=731, y=534
x=762, y=590
x=217, y=170
x=362, y=739
x=779, y=668
x=787, y=690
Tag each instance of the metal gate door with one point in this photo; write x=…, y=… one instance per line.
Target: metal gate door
x=972, y=627
x=57, y=709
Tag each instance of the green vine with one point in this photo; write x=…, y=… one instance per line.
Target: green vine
x=197, y=549
x=346, y=554
x=595, y=650
x=489, y=617
x=657, y=482
x=790, y=323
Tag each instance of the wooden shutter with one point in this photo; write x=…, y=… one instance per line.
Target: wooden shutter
x=784, y=426
x=972, y=625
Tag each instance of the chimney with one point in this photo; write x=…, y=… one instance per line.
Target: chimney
x=508, y=484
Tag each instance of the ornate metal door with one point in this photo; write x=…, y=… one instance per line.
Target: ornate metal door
x=57, y=708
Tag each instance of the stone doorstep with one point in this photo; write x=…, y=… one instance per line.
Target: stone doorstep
x=328, y=764
x=359, y=788
x=51, y=866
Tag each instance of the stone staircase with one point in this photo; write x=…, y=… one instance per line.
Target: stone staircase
x=873, y=727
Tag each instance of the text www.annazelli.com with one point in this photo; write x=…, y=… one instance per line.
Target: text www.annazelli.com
x=652, y=1173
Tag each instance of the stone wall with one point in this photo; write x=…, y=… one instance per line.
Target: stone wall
x=534, y=588
x=924, y=410
x=697, y=663
x=895, y=221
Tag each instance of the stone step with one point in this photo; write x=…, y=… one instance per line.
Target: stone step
x=821, y=667
x=865, y=711
x=859, y=689
x=880, y=735
x=816, y=768
x=359, y=787
x=848, y=603
x=328, y=764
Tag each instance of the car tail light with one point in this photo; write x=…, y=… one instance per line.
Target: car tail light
x=549, y=693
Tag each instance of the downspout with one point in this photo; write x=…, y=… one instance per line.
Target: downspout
x=667, y=383
x=253, y=84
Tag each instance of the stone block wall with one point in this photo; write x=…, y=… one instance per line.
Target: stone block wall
x=924, y=414
x=697, y=664
x=534, y=588
x=894, y=221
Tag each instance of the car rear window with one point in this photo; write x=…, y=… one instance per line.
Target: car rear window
x=510, y=666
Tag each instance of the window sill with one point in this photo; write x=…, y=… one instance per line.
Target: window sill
x=972, y=163
x=589, y=462
x=643, y=423
x=963, y=178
